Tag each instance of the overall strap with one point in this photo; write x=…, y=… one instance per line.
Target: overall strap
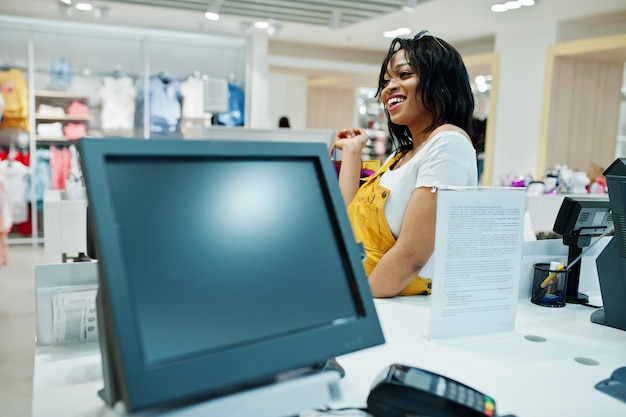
x=384, y=168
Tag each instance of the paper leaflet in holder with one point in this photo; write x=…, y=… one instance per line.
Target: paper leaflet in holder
x=578, y=220
x=236, y=273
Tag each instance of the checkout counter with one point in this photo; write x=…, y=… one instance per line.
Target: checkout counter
x=548, y=366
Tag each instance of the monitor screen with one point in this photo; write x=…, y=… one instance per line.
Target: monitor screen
x=222, y=264
x=579, y=219
x=583, y=216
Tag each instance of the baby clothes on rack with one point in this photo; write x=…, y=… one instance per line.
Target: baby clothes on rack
x=6, y=221
x=46, y=110
x=165, y=105
x=60, y=164
x=17, y=177
x=5, y=208
x=50, y=130
x=192, y=92
x=15, y=97
x=117, y=97
x=76, y=108
x=236, y=104
x=73, y=131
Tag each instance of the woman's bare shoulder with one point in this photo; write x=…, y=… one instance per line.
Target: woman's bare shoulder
x=449, y=128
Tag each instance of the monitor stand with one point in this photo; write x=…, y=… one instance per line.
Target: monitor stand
x=576, y=245
x=612, y=286
x=285, y=398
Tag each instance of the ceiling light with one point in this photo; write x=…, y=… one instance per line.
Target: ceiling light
x=497, y=8
x=396, y=32
x=409, y=5
x=68, y=2
x=269, y=26
x=84, y=7
x=511, y=5
x=212, y=12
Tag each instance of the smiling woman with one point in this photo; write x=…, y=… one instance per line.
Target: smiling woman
x=425, y=89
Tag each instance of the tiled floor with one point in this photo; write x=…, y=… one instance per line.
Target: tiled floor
x=17, y=329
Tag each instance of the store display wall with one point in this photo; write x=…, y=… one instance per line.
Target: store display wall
x=82, y=80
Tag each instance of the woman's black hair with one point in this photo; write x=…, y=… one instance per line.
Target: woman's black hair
x=443, y=85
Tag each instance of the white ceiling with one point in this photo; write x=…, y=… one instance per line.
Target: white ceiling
x=313, y=12
x=457, y=21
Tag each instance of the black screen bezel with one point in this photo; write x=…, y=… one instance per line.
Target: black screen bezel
x=215, y=373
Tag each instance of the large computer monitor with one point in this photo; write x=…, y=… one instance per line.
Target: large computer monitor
x=611, y=263
x=223, y=265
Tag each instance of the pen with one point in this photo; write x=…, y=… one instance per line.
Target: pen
x=553, y=275
x=562, y=267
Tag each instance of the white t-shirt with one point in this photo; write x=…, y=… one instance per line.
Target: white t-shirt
x=192, y=90
x=16, y=182
x=118, y=103
x=447, y=159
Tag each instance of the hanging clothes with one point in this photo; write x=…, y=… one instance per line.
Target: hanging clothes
x=60, y=165
x=236, y=106
x=17, y=181
x=117, y=97
x=61, y=74
x=192, y=93
x=43, y=176
x=15, y=97
x=165, y=105
x=6, y=218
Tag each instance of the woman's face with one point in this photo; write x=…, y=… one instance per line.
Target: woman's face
x=399, y=93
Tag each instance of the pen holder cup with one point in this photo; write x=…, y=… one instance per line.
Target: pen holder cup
x=549, y=286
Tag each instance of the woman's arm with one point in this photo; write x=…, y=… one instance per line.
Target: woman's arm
x=414, y=246
x=351, y=143
x=449, y=161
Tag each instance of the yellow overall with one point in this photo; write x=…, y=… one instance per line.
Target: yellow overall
x=367, y=217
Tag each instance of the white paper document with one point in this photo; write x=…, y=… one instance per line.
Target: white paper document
x=74, y=317
x=478, y=251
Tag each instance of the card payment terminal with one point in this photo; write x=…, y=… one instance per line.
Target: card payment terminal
x=404, y=391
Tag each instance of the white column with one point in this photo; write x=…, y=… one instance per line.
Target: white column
x=288, y=98
x=257, y=96
x=520, y=95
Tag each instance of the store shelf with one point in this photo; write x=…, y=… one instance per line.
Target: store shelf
x=61, y=95
x=55, y=101
x=54, y=141
x=66, y=118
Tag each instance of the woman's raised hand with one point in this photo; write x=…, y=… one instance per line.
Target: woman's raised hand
x=351, y=137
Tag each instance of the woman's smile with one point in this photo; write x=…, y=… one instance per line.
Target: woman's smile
x=394, y=101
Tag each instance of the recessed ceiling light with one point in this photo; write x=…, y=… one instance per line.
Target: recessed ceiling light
x=396, y=32
x=84, y=7
x=261, y=24
x=212, y=16
x=498, y=8
x=68, y=2
x=511, y=5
